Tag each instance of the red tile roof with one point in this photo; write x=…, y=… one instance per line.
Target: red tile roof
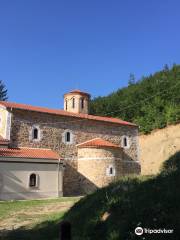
x=65, y=113
x=97, y=142
x=78, y=91
x=38, y=153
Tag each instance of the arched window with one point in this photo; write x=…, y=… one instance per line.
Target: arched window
x=68, y=137
x=66, y=104
x=35, y=133
x=125, y=142
x=111, y=171
x=82, y=103
x=33, y=180
x=73, y=102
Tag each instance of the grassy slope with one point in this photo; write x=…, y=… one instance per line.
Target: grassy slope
x=48, y=229
x=152, y=202
x=8, y=207
x=41, y=223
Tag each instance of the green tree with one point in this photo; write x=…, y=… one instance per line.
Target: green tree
x=132, y=79
x=3, y=91
x=152, y=102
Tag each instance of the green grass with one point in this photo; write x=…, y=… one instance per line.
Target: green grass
x=48, y=229
x=41, y=225
x=8, y=207
x=150, y=202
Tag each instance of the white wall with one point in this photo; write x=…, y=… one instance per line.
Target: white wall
x=14, y=180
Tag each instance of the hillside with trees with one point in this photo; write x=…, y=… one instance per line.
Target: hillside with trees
x=151, y=102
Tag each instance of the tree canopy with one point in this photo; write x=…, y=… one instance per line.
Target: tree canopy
x=3, y=91
x=152, y=102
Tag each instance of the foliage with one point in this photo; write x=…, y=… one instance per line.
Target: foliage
x=147, y=202
x=152, y=102
x=3, y=91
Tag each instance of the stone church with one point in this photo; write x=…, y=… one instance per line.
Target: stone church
x=49, y=153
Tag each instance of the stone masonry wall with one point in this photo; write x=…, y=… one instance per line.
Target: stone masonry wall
x=52, y=128
x=93, y=164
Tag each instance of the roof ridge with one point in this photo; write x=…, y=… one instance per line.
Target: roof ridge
x=88, y=141
x=98, y=142
x=62, y=112
x=30, y=105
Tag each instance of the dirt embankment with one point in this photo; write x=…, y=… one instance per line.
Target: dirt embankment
x=158, y=146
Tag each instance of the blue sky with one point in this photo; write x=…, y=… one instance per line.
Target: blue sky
x=48, y=48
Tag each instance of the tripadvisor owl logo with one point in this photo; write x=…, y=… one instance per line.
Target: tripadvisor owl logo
x=139, y=231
